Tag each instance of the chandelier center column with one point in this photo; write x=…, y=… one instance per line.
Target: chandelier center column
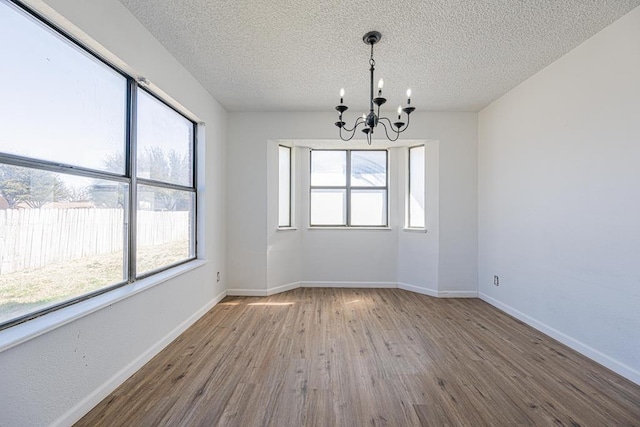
x=372, y=69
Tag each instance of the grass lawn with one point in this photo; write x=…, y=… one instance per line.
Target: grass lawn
x=25, y=291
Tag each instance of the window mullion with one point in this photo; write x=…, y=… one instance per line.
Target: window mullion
x=162, y=184
x=130, y=257
x=56, y=167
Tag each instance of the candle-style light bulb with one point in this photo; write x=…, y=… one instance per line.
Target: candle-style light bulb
x=399, y=111
x=380, y=85
x=341, y=95
x=408, y=96
x=364, y=118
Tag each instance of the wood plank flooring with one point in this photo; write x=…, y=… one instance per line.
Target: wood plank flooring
x=355, y=357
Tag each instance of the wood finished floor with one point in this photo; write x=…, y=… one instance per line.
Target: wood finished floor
x=354, y=357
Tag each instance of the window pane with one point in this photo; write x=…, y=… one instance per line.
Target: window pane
x=369, y=168
x=416, y=187
x=284, y=190
x=58, y=103
x=328, y=168
x=165, y=141
x=61, y=237
x=369, y=207
x=164, y=227
x=328, y=207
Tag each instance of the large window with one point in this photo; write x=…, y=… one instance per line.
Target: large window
x=90, y=199
x=349, y=188
x=415, y=205
x=165, y=192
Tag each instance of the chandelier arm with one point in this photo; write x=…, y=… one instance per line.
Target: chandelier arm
x=352, y=130
x=355, y=125
x=407, y=125
x=381, y=121
x=349, y=138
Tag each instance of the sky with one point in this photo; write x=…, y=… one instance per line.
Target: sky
x=58, y=103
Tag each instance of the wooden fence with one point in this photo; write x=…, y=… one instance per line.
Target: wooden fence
x=32, y=238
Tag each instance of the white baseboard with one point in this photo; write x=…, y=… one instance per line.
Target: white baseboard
x=362, y=285
x=357, y=285
x=247, y=292
x=437, y=294
x=418, y=289
x=590, y=352
x=296, y=285
x=283, y=288
x=457, y=294
x=262, y=292
x=86, y=404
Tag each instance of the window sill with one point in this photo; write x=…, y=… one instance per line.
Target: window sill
x=286, y=228
x=23, y=332
x=415, y=230
x=351, y=228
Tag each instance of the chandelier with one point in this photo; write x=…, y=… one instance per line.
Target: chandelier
x=371, y=120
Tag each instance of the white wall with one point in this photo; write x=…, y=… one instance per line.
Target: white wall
x=284, y=248
x=559, y=198
x=457, y=155
x=261, y=259
x=57, y=376
x=418, y=254
x=351, y=257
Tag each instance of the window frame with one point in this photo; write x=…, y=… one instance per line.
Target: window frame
x=348, y=187
x=136, y=181
x=408, y=225
x=290, y=216
x=128, y=177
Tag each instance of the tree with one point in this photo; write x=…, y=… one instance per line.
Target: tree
x=106, y=195
x=31, y=187
x=78, y=194
x=155, y=164
x=114, y=162
x=169, y=166
x=163, y=166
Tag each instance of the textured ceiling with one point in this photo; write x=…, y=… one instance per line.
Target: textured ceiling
x=295, y=55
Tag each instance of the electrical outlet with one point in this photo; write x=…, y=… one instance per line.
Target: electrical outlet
x=218, y=277
x=496, y=280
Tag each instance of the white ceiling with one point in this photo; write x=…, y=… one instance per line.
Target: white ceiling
x=295, y=55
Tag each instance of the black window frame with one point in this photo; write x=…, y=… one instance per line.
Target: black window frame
x=348, y=187
x=129, y=177
x=408, y=202
x=290, y=225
